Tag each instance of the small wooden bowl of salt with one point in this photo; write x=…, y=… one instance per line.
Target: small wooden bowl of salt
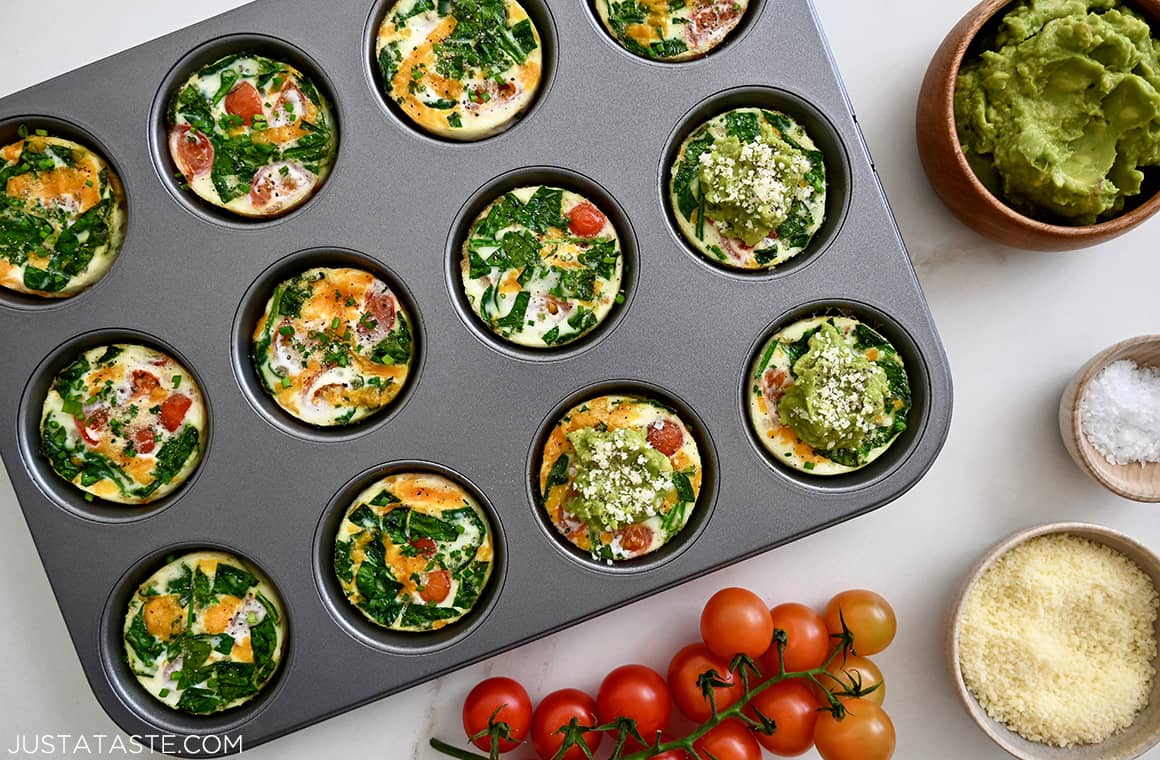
x=1109, y=417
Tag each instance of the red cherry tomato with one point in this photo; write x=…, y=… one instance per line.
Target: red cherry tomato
x=425, y=546
x=864, y=733
x=145, y=441
x=173, y=411
x=191, y=150
x=665, y=436
x=637, y=692
x=554, y=712
x=636, y=537
x=83, y=425
x=736, y=621
x=585, y=220
x=868, y=616
x=729, y=741
x=244, y=101
x=438, y=586
x=686, y=666
x=793, y=707
x=143, y=382
x=807, y=642
x=514, y=706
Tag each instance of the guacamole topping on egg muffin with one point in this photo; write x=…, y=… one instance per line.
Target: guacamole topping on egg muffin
x=1058, y=115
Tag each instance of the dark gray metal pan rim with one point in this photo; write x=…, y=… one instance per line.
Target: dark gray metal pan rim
x=839, y=177
x=350, y=619
x=732, y=40
x=253, y=305
x=706, y=499
x=133, y=696
x=556, y=177
x=545, y=23
x=55, y=488
x=203, y=55
x=69, y=129
x=918, y=374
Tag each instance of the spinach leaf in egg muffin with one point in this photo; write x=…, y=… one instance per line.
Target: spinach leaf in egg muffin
x=829, y=395
x=414, y=552
x=620, y=476
x=251, y=135
x=333, y=346
x=748, y=188
x=542, y=266
x=62, y=216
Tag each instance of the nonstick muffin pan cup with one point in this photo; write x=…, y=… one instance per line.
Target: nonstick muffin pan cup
x=189, y=280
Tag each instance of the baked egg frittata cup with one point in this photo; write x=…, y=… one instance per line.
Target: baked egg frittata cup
x=333, y=346
x=414, y=552
x=460, y=69
x=635, y=510
x=125, y=423
x=762, y=164
x=542, y=266
x=670, y=30
x=251, y=135
x=204, y=633
x=773, y=373
x=62, y=216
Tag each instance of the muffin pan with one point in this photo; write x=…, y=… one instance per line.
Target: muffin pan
x=270, y=490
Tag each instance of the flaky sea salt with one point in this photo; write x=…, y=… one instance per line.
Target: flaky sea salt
x=1120, y=413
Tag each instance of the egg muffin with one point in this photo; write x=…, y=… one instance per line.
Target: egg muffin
x=460, y=69
x=252, y=135
x=62, y=216
x=333, y=346
x=748, y=189
x=619, y=476
x=125, y=423
x=205, y=633
x=414, y=552
x=828, y=395
x=670, y=30
x=542, y=266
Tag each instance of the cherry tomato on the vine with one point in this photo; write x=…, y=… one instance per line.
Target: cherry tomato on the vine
x=553, y=713
x=639, y=693
x=684, y=669
x=793, y=707
x=807, y=642
x=868, y=616
x=514, y=706
x=736, y=621
x=856, y=671
x=729, y=741
x=865, y=732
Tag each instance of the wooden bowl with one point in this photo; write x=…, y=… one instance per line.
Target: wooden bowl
x=1139, y=481
x=952, y=177
x=1133, y=741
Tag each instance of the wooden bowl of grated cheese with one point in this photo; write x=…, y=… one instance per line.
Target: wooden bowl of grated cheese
x=1054, y=637
x=1127, y=408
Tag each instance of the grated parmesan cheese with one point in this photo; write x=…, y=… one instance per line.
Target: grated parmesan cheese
x=1057, y=640
x=1120, y=413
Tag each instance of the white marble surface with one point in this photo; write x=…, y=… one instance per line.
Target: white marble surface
x=1015, y=326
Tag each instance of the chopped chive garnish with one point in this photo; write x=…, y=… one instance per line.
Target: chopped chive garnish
x=177, y=381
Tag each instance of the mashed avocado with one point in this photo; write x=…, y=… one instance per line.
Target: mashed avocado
x=1059, y=113
x=750, y=187
x=620, y=479
x=838, y=395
